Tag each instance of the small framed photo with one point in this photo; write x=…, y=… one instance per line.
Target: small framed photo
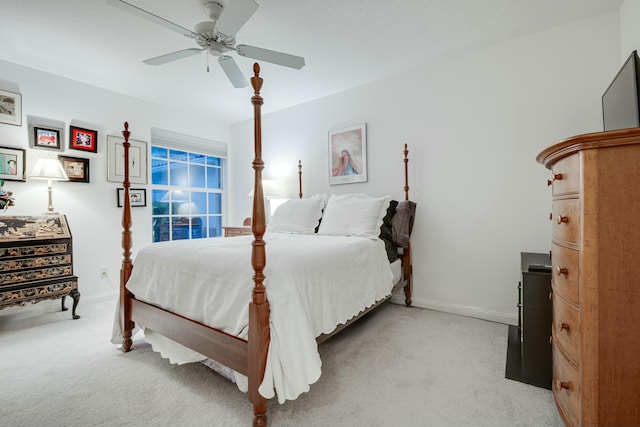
x=348, y=155
x=137, y=197
x=77, y=168
x=12, y=164
x=46, y=137
x=10, y=108
x=83, y=139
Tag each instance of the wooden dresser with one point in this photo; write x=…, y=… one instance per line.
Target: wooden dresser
x=595, y=257
x=236, y=231
x=36, y=261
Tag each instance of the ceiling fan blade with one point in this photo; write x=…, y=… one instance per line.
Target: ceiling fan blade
x=128, y=7
x=174, y=56
x=235, y=15
x=232, y=71
x=272, y=56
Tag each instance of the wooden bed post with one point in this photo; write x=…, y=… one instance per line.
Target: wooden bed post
x=406, y=172
x=406, y=255
x=258, y=342
x=126, y=324
x=300, y=179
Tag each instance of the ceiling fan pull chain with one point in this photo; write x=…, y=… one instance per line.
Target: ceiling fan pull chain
x=208, y=58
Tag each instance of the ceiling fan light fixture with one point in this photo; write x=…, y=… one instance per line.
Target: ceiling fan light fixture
x=216, y=49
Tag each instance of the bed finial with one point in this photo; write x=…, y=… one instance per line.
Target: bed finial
x=300, y=178
x=256, y=80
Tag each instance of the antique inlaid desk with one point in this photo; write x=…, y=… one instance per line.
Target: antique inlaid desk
x=36, y=261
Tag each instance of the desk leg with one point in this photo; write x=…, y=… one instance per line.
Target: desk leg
x=75, y=294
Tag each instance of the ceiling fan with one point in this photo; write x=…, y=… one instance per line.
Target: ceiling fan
x=217, y=37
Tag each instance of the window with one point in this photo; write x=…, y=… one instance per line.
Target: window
x=186, y=194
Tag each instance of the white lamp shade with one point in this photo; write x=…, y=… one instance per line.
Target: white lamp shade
x=270, y=189
x=48, y=169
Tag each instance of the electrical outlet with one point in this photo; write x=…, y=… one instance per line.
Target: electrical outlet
x=103, y=272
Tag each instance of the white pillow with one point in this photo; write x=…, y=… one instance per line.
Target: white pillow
x=354, y=215
x=323, y=197
x=299, y=216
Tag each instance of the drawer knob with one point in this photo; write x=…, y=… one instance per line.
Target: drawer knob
x=562, y=385
x=556, y=176
x=561, y=270
x=564, y=326
x=562, y=219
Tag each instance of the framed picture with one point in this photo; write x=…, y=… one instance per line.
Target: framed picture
x=137, y=197
x=12, y=163
x=83, y=139
x=348, y=155
x=46, y=137
x=137, y=160
x=10, y=108
x=77, y=168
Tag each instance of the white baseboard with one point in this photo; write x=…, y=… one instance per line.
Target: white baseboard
x=15, y=313
x=99, y=297
x=463, y=310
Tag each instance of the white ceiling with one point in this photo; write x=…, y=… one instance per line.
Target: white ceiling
x=346, y=43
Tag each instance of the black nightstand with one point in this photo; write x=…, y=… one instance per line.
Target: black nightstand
x=529, y=349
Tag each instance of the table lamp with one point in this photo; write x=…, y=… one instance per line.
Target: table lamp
x=51, y=170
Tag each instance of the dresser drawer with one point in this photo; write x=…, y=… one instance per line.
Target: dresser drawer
x=566, y=328
x=36, y=274
x=566, y=387
x=7, y=251
x=565, y=272
x=35, y=262
x=33, y=292
x=566, y=175
x=566, y=221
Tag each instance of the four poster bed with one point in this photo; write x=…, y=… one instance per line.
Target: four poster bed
x=268, y=343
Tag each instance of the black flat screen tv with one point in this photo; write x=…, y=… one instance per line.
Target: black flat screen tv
x=620, y=108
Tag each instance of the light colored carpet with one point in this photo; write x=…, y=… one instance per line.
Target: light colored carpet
x=397, y=367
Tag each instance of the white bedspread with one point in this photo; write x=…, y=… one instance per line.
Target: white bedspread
x=313, y=282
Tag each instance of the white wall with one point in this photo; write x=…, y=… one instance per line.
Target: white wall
x=629, y=28
x=474, y=125
x=90, y=208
